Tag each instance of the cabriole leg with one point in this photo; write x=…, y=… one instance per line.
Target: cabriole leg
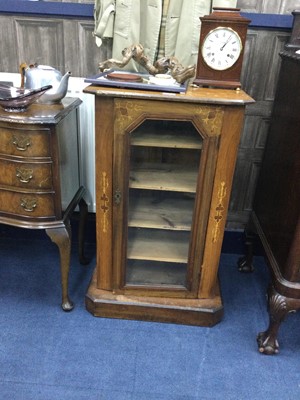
x=62, y=238
x=279, y=307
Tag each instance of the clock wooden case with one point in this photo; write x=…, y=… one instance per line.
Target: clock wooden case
x=164, y=167
x=221, y=48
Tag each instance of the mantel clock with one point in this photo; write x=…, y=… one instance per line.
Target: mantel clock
x=221, y=48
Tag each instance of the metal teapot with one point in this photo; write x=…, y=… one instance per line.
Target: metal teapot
x=36, y=76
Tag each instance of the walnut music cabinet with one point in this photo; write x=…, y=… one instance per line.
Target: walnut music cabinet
x=164, y=168
x=38, y=172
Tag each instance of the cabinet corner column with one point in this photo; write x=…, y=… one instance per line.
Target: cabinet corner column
x=104, y=140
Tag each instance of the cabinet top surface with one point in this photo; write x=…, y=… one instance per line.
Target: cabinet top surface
x=38, y=113
x=192, y=95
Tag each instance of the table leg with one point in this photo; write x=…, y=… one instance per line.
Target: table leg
x=83, y=211
x=62, y=238
x=245, y=264
x=279, y=307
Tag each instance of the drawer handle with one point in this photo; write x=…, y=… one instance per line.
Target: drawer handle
x=24, y=175
x=28, y=204
x=21, y=142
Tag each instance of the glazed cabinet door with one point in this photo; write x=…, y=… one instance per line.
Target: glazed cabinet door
x=164, y=163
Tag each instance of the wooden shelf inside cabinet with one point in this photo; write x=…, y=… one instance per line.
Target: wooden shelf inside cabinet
x=162, y=200
x=169, y=246
x=168, y=177
x=163, y=213
x=164, y=139
x=169, y=274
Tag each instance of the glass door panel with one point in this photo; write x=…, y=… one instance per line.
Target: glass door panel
x=163, y=172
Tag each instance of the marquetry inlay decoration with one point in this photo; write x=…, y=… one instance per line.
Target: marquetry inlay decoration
x=104, y=207
x=127, y=111
x=219, y=211
x=211, y=118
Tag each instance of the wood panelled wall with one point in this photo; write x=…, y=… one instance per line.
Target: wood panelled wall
x=68, y=45
x=259, y=78
x=269, y=6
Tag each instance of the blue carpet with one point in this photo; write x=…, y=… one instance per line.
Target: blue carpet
x=46, y=354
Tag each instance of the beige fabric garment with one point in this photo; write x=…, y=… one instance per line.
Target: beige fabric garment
x=140, y=21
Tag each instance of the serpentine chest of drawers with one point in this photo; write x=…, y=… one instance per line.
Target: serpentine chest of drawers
x=39, y=178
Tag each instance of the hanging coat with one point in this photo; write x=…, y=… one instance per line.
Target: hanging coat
x=139, y=21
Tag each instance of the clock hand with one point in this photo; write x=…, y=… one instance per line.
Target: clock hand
x=227, y=41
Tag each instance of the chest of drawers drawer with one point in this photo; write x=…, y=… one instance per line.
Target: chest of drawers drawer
x=20, y=204
x=26, y=175
x=25, y=142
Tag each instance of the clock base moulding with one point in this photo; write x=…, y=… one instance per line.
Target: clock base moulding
x=217, y=84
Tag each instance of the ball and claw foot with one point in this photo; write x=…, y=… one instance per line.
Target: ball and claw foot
x=266, y=344
x=67, y=305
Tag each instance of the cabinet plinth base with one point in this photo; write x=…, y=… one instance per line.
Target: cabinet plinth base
x=198, y=312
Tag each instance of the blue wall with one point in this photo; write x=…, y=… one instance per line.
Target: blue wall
x=79, y=11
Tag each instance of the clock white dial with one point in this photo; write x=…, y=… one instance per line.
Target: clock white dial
x=221, y=48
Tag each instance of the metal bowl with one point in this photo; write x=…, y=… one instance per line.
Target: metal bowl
x=14, y=99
